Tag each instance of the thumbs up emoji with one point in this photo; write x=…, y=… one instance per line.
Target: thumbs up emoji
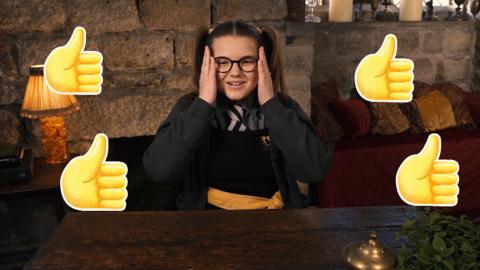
x=424, y=180
x=88, y=183
x=71, y=70
x=381, y=77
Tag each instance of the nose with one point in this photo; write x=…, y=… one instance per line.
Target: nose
x=236, y=71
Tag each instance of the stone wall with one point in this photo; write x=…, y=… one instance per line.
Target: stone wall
x=147, y=55
x=441, y=51
x=147, y=49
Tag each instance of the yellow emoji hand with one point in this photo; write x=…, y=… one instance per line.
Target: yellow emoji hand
x=381, y=77
x=71, y=70
x=424, y=180
x=90, y=183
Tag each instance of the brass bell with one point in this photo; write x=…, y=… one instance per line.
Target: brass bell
x=370, y=254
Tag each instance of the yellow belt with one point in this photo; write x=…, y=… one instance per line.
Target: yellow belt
x=233, y=201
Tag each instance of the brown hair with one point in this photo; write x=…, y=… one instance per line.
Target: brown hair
x=263, y=36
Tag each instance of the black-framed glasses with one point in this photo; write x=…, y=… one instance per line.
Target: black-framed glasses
x=246, y=64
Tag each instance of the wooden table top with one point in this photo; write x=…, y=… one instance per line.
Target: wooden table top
x=261, y=239
x=46, y=177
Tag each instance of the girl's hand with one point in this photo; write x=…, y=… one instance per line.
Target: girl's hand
x=208, y=79
x=265, y=84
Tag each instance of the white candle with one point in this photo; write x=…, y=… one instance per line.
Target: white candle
x=340, y=11
x=411, y=10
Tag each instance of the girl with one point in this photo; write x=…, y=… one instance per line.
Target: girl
x=238, y=141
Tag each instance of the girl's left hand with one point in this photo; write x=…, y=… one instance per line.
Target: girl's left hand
x=265, y=84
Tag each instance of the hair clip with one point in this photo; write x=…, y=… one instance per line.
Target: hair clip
x=210, y=30
x=259, y=30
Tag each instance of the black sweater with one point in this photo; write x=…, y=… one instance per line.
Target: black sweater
x=239, y=162
x=180, y=150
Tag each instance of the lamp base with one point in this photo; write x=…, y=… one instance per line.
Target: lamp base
x=54, y=139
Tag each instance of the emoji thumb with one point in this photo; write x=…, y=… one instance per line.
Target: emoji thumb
x=97, y=153
x=76, y=44
x=429, y=154
x=388, y=50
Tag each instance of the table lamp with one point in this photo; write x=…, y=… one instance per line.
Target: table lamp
x=50, y=108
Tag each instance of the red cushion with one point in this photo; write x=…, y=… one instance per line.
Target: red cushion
x=353, y=115
x=473, y=102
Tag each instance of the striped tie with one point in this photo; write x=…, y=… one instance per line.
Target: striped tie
x=236, y=116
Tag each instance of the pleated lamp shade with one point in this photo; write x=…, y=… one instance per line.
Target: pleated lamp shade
x=40, y=102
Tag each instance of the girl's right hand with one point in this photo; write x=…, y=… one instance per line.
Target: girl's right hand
x=208, y=79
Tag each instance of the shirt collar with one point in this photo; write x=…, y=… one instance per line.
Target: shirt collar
x=249, y=103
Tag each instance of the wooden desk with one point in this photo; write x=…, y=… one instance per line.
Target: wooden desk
x=263, y=239
x=44, y=186
x=46, y=177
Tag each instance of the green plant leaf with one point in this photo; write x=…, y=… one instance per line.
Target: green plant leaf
x=439, y=244
x=447, y=252
x=437, y=241
x=448, y=264
x=424, y=260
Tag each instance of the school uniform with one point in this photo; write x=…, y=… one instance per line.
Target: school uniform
x=237, y=148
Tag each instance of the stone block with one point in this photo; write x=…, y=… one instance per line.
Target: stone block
x=440, y=73
x=175, y=15
x=299, y=57
x=139, y=80
x=12, y=92
x=10, y=123
x=12, y=85
x=324, y=44
x=250, y=10
x=104, y=16
x=121, y=116
x=423, y=70
x=184, y=43
x=345, y=75
x=34, y=49
x=433, y=43
x=476, y=81
x=459, y=43
x=457, y=70
x=323, y=70
x=408, y=42
x=354, y=43
x=181, y=79
x=32, y=16
x=138, y=51
x=132, y=78
x=8, y=67
x=299, y=88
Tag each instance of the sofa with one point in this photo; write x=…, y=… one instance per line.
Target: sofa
x=366, y=158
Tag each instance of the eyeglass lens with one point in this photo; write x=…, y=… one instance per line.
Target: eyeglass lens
x=246, y=64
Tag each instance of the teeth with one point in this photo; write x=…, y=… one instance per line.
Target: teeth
x=235, y=84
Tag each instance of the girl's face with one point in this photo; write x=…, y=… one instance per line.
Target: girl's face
x=236, y=84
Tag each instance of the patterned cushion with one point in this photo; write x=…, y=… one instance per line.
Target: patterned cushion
x=456, y=95
x=435, y=111
x=388, y=119
x=327, y=126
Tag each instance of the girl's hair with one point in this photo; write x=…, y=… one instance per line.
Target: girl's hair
x=263, y=36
